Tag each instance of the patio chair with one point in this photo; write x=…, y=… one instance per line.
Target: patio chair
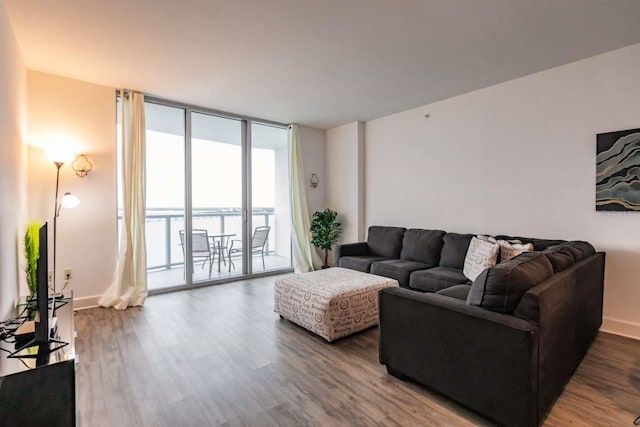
x=258, y=243
x=201, y=247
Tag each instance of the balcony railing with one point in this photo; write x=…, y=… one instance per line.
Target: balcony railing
x=163, y=225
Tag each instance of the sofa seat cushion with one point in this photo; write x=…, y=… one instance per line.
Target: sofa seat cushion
x=435, y=279
x=422, y=246
x=454, y=250
x=501, y=287
x=360, y=263
x=385, y=241
x=399, y=269
x=458, y=291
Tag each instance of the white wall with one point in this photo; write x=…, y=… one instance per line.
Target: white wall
x=13, y=120
x=313, y=144
x=345, y=155
x=84, y=114
x=517, y=158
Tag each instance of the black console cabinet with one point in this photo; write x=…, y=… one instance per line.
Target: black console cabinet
x=40, y=391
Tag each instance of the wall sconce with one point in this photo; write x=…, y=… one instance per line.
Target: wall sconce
x=81, y=165
x=314, y=180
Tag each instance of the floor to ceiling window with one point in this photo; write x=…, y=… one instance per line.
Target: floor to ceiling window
x=270, y=198
x=165, y=196
x=205, y=172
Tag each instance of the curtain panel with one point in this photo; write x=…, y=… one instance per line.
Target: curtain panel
x=129, y=284
x=305, y=256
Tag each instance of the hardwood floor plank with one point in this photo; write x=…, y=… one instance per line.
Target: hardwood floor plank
x=221, y=356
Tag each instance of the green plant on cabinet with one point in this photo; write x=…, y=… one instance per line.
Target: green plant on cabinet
x=31, y=247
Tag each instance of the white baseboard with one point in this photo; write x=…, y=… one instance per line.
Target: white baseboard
x=85, y=302
x=621, y=327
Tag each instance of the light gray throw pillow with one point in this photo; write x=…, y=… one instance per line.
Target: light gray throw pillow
x=482, y=254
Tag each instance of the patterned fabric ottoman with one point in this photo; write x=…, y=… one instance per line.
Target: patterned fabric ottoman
x=332, y=303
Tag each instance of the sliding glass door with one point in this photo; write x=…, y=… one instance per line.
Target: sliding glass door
x=205, y=173
x=217, y=195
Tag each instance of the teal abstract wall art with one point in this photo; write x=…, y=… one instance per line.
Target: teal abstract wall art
x=618, y=171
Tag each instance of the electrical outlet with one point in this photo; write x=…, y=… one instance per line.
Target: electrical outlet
x=67, y=273
x=50, y=277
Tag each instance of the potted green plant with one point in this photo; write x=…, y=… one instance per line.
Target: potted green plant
x=31, y=247
x=325, y=231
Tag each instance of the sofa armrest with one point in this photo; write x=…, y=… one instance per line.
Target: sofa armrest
x=350, y=249
x=485, y=360
x=568, y=309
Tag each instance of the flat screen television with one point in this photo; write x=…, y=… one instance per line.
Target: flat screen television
x=42, y=333
x=44, y=323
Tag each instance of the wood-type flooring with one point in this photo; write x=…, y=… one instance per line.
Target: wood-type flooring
x=221, y=356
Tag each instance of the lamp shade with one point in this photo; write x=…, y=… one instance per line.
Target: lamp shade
x=69, y=201
x=59, y=153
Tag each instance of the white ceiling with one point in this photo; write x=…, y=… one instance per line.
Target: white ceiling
x=320, y=63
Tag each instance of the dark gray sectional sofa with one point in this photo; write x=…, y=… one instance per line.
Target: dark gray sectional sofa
x=503, y=345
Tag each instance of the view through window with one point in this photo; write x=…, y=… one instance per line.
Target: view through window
x=209, y=190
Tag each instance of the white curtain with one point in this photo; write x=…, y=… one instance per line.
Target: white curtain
x=129, y=283
x=305, y=256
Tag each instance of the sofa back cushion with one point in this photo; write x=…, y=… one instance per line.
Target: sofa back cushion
x=385, y=241
x=538, y=244
x=454, y=250
x=501, y=287
x=512, y=248
x=422, y=246
x=580, y=250
x=560, y=257
x=566, y=254
x=542, y=244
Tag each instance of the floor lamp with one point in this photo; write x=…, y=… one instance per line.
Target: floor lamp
x=59, y=158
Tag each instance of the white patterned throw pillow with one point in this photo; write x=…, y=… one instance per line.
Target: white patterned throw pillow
x=482, y=254
x=511, y=248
